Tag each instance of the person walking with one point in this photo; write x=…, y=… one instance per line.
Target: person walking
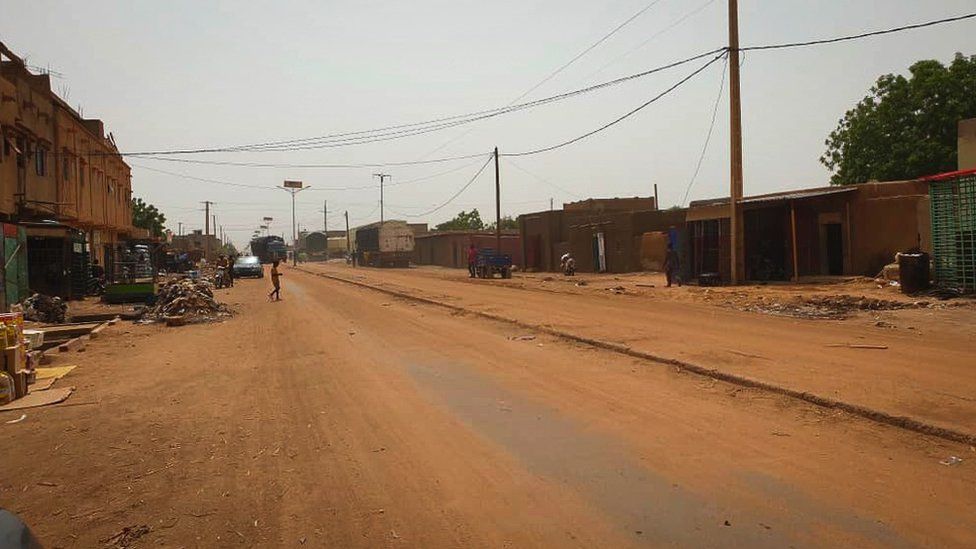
x=230, y=270
x=472, y=260
x=276, y=281
x=671, y=266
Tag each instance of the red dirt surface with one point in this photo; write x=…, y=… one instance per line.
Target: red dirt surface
x=341, y=417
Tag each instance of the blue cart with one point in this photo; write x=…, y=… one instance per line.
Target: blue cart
x=489, y=263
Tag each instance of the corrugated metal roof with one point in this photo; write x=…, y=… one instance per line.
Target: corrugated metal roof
x=776, y=197
x=798, y=195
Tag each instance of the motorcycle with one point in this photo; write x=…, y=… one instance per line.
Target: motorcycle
x=569, y=266
x=95, y=287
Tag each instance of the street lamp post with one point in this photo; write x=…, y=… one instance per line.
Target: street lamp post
x=293, y=188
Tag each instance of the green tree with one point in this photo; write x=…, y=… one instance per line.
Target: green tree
x=146, y=216
x=464, y=221
x=906, y=127
x=507, y=223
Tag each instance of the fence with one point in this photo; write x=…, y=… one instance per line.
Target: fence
x=953, y=205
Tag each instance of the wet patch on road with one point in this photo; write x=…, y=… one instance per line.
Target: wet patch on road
x=647, y=506
x=801, y=505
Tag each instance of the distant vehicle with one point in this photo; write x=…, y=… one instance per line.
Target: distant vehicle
x=386, y=244
x=248, y=265
x=269, y=248
x=489, y=262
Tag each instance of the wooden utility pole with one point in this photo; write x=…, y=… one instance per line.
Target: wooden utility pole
x=735, y=129
x=382, y=177
x=325, y=226
x=657, y=202
x=498, y=208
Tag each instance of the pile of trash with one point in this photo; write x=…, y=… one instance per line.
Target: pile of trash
x=835, y=307
x=185, y=300
x=45, y=308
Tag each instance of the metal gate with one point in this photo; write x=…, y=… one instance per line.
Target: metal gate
x=953, y=206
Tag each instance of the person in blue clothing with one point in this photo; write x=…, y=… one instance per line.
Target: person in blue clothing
x=672, y=263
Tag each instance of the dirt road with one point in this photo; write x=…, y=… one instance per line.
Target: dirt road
x=341, y=417
x=925, y=370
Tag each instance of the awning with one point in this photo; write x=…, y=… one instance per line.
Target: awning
x=719, y=208
x=798, y=195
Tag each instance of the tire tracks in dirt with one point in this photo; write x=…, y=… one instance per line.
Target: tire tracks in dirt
x=871, y=414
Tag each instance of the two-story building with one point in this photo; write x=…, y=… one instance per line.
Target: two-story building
x=61, y=178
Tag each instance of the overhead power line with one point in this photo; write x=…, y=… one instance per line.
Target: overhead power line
x=859, y=36
x=652, y=37
x=620, y=118
x=586, y=51
x=395, y=132
x=515, y=165
x=407, y=130
x=317, y=188
x=311, y=166
x=201, y=179
x=708, y=136
x=455, y=195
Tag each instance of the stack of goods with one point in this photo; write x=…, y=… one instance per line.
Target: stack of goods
x=45, y=308
x=186, y=300
x=13, y=375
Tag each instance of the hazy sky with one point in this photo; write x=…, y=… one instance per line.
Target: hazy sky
x=177, y=74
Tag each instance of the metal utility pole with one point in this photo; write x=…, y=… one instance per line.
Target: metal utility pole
x=498, y=208
x=206, y=229
x=736, y=235
x=293, y=188
x=382, y=177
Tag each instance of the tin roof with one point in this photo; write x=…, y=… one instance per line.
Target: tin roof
x=777, y=197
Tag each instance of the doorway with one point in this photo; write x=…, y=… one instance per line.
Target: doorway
x=834, y=248
x=599, y=253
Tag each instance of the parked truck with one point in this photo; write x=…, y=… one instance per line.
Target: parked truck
x=269, y=248
x=386, y=244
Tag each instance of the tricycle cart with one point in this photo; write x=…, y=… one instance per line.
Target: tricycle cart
x=489, y=262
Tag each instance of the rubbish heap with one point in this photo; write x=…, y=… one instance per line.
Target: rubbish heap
x=45, y=308
x=185, y=300
x=831, y=307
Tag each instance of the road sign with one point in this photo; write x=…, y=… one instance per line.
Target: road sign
x=293, y=184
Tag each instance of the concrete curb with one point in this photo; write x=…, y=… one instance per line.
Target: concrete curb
x=878, y=416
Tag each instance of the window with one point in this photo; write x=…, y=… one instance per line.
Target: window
x=40, y=161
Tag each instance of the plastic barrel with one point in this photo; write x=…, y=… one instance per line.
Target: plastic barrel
x=913, y=272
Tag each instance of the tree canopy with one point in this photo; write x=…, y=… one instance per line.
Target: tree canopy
x=906, y=127
x=508, y=222
x=146, y=216
x=464, y=221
